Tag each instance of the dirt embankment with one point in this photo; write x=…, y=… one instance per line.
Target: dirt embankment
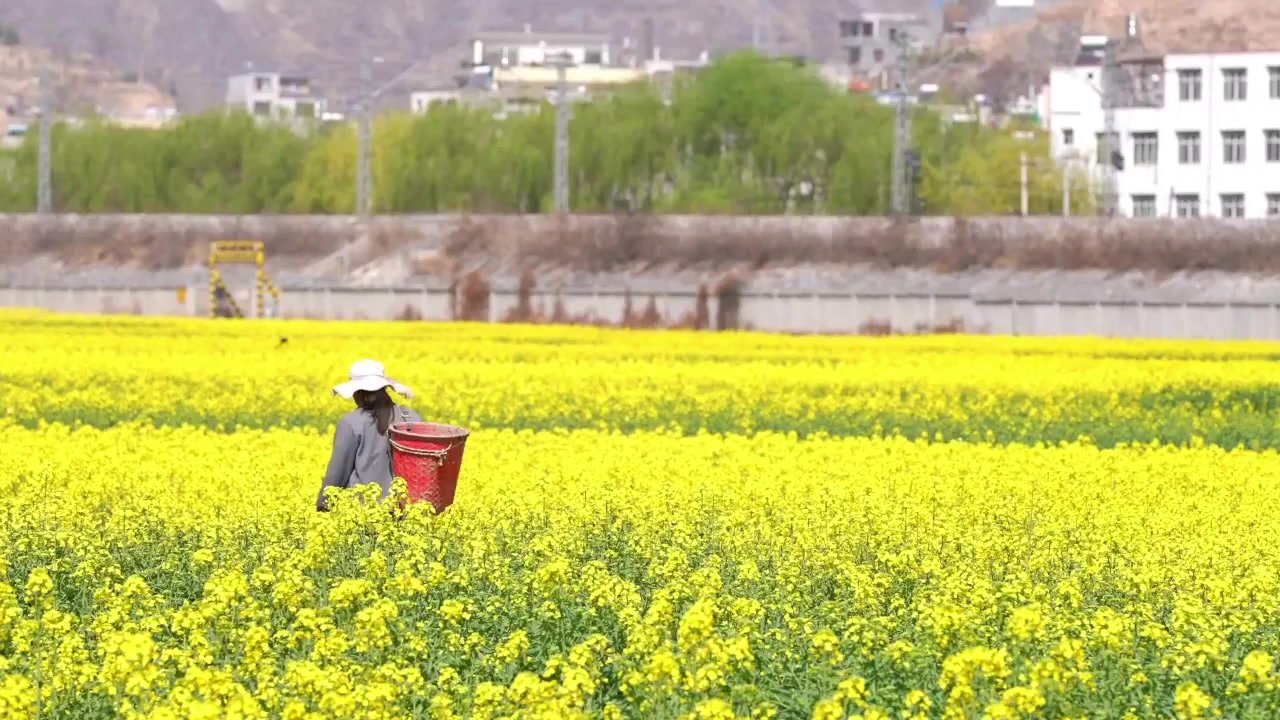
x=612, y=243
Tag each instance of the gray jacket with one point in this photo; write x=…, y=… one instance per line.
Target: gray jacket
x=361, y=455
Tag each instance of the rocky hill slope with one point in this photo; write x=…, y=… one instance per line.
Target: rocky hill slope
x=188, y=47
x=81, y=85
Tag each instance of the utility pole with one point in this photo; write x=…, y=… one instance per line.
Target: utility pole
x=1022, y=171
x=901, y=134
x=760, y=28
x=1066, y=188
x=561, y=62
x=1109, y=199
x=44, y=182
x=364, y=133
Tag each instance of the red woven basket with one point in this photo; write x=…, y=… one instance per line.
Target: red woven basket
x=429, y=457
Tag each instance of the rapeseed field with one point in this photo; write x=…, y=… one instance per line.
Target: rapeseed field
x=649, y=525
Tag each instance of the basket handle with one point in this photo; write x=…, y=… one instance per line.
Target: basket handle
x=437, y=455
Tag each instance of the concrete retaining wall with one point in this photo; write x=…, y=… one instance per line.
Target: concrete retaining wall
x=779, y=312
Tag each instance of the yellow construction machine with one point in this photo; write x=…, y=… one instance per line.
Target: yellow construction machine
x=238, y=252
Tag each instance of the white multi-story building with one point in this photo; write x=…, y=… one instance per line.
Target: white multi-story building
x=273, y=95
x=1205, y=141
x=506, y=49
x=874, y=41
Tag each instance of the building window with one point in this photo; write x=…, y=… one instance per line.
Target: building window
x=1232, y=205
x=261, y=108
x=1233, y=146
x=1105, y=148
x=594, y=57
x=848, y=29
x=1235, y=84
x=1068, y=137
x=1189, y=85
x=262, y=84
x=1187, y=206
x=1273, y=145
x=855, y=55
x=1273, y=74
x=1144, y=205
x=878, y=55
x=893, y=34
x=1145, y=148
x=1273, y=205
x=868, y=30
x=1189, y=148
x=305, y=109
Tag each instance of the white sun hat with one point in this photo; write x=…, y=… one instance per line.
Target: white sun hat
x=369, y=375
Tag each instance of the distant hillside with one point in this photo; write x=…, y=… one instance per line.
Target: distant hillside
x=188, y=47
x=82, y=85
x=192, y=45
x=1165, y=26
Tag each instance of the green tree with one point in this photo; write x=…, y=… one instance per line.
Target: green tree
x=746, y=135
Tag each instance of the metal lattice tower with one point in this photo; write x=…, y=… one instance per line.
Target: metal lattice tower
x=364, y=149
x=901, y=198
x=561, y=63
x=762, y=27
x=1108, y=195
x=44, y=182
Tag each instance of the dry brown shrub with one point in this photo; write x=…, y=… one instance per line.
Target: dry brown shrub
x=409, y=313
x=876, y=327
x=650, y=317
x=559, y=315
x=523, y=311
x=954, y=326
x=473, y=295
x=728, y=302
x=627, y=313
x=702, y=308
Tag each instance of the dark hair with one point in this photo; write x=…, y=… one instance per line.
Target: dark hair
x=379, y=405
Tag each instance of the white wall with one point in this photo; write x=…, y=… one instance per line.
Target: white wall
x=539, y=52
x=1075, y=105
x=288, y=107
x=243, y=93
x=420, y=102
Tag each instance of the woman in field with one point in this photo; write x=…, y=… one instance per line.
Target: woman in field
x=361, y=448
